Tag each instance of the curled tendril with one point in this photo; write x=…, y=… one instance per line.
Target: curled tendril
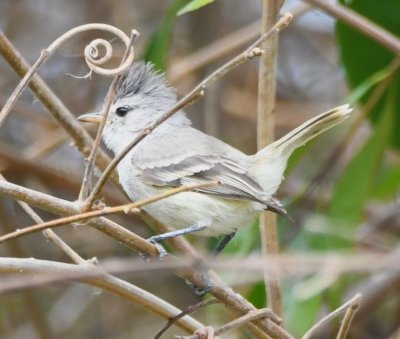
x=91, y=53
x=94, y=59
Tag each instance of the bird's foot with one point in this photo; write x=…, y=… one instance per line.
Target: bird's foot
x=160, y=248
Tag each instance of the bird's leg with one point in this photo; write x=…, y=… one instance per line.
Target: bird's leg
x=207, y=282
x=156, y=239
x=222, y=244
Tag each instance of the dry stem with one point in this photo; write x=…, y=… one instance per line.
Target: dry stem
x=127, y=208
x=353, y=302
x=265, y=135
x=90, y=58
x=50, y=101
x=360, y=23
x=230, y=299
x=252, y=315
x=45, y=270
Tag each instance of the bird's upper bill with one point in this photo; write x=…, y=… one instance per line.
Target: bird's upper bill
x=91, y=117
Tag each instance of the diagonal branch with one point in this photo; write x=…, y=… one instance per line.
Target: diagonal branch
x=360, y=23
x=89, y=274
x=127, y=208
x=342, y=309
x=232, y=301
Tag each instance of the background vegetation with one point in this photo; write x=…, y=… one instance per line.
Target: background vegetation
x=341, y=189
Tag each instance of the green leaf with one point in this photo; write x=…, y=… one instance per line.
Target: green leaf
x=387, y=184
x=355, y=185
x=299, y=314
x=158, y=47
x=363, y=57
x=257, y=295
x=193, y=5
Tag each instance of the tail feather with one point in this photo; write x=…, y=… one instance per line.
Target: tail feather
x=310, y=129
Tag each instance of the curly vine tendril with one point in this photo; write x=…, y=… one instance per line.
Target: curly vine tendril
x=91, y=53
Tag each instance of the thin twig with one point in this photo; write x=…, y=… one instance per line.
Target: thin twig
x=63, y=207
x=192, y=96
x=223, y=47
x=353, y=301
x=127, y=208
x=265, y=135
x=89, y=274
x=189, y=310
x=347, y=319
x=51, y=102
x=84, y=191
x=376, y=95
x=108, y=282
x=359, y=22
x=91, y=58
x=252, y=315
x=52, y=236
x=228, y=297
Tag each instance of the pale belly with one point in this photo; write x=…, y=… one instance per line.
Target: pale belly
x=189, y=208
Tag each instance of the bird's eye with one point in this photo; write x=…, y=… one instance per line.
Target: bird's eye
x=122, y=111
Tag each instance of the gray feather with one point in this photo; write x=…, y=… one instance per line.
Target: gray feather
x=236, y=182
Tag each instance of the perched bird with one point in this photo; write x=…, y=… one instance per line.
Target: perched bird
x=176, y=154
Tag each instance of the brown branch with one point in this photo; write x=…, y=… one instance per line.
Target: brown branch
x=236, y=323
x=233, y=301
x=329, y=164
x=359, y=22
x=222, y=47
x=265, y=135
x=191, y=97
x=50, y=101
x=351, y=303
x=189, y=310
x=347, y=319
x=91, y=58
x=113, y=284
x=66, y=208
x=50, y=271
x=127, y=208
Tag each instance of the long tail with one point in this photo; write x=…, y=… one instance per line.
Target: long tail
x=310, y=129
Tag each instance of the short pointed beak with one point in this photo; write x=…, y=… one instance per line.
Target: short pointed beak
x=91, y=117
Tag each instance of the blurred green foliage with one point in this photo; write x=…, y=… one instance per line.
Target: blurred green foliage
x=159, y=45
x=367, y=64
x=193, y=5
x=362, y=56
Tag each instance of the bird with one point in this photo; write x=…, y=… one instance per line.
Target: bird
x=176, y=154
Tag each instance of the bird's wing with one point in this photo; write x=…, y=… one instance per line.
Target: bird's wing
x=236, y=182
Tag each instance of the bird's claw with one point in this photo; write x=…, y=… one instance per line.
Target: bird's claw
x=160, y=248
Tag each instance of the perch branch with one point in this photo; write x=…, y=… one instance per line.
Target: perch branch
x=127, y=208
x=224, y=294
x=44, y=269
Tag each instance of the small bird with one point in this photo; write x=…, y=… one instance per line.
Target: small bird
x=176, y=154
